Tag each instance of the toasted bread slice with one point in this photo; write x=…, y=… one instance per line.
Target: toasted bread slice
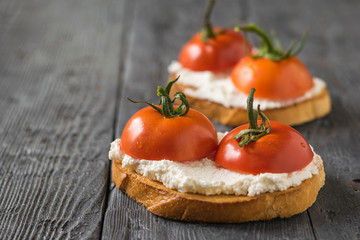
x=295, y=114
x=172, y=204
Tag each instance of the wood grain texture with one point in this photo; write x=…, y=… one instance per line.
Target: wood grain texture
x=58, y=77
x=66, y=68
x=331, y=52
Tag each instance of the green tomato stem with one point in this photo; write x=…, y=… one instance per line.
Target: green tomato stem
x=208, y=32
x=254, y=132
x=261, y=33
x=267, y=50
x=251, y=116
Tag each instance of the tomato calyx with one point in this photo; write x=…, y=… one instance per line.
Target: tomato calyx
x=271, y=49
x=254, y=132
x=167, y=108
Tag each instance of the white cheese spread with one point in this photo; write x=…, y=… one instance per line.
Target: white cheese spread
x=219, y=88
x=207, y=177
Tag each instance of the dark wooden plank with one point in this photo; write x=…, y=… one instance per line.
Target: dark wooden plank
x=58, y=78
x=331, y=52
x=337, y=137
x=157, y=31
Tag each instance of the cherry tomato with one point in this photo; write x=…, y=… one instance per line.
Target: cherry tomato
x=278, y=80
x=148, y=135
x=283, y=150
x=216, y=54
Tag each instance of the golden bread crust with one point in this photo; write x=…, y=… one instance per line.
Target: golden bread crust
x=295, y=114
x=172, y=204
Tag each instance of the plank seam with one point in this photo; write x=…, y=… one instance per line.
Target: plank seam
x=311, y=224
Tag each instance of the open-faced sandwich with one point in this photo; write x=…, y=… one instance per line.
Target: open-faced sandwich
x=217, y=75
x=171, y=160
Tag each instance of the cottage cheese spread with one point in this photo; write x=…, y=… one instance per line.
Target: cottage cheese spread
x=206, y=177
x=219, y=88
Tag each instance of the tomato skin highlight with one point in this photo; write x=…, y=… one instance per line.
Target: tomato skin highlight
x=277, y=80
x=148, y=135
x=283, y=150
x=217, y=54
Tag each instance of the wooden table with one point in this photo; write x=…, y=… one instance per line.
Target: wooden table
x=66, y=68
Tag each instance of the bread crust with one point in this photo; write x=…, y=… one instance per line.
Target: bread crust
x=172, y=204
x=295, y=114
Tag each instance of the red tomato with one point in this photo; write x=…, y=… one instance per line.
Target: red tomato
x=217, y=54
x=148, y=135
x=283, y=150
x=278, y=80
